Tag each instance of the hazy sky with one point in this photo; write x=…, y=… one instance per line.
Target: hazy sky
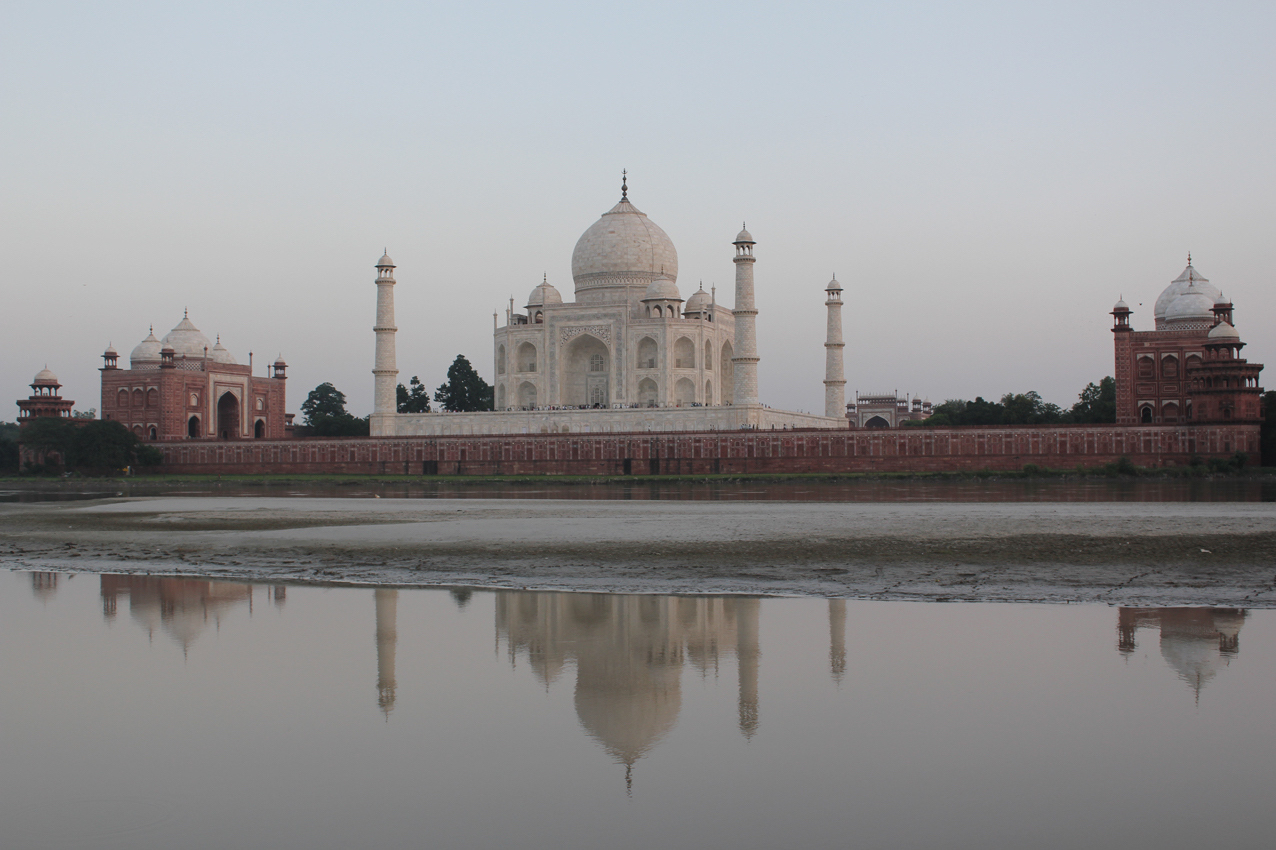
x=984, y=178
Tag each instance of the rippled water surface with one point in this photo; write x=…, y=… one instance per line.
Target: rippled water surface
x=146, y=712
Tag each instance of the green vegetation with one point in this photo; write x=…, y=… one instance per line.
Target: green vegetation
x=326, y=416
x=1268, y=432
x=97, y=447
x=8, y=446
x=1096, y=404
x=414, y=398
x=464, y=390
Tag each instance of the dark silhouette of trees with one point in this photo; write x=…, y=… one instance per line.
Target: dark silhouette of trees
x=100, y=446
x=326, y=415
x=464, y=390
x=1097, y=404
x=414, y=398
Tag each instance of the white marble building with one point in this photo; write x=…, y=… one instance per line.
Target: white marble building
x=628, y=354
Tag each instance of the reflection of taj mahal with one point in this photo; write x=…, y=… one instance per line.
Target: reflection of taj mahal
x=630, y=353
x=1195, y=642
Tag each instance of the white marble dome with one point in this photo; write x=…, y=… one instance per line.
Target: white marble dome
x=147, y=350
x=623, y=243
x=544, y=293
x=1193, y=305
x=1190, y=277
x=220, y=354
x=700, y=301
x=385, y=261
x=662, y=289
x=45, y=377
x=1224, y=331
x=744, y=236
x=186, y=340
x=1120, y=305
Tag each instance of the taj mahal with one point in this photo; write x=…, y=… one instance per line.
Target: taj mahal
x=628, y=354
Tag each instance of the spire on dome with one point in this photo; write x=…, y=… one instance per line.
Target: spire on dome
x=624, y=184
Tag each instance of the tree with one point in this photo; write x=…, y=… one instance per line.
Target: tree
x=464, y=390
x=8, y=446
x=1097, y=402
x=97, y=446
x=1268, y=429
x=414, y=400
x=326, y=415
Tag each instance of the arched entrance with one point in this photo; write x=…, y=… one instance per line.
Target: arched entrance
x=877, y=422
x=586, y=373
x=228, y=416
x=192, y=427
x=259, y=430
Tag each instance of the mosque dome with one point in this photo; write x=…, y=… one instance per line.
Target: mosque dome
x=700, y=301
x=1194, y=304
x=111, y=352
x=1224, y=331
x=186, y=340
x=1221, y=301
x=385, y=261
x=744, y=236
x=147, y=350
x=662, y=289
x=543, y=294
x=45, y=378
x=622, y=244
x=1189, y=278
x=1120, y=305
x=833, y=286
x=220, y=354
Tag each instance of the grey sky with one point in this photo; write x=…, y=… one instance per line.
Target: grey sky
x=985, y=179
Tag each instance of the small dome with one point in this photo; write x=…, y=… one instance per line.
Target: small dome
x=833, y=286
x=279, y=361
x=699, y=302
x=543, y=294
x=1221, y=301
x=662, y=289
x=744, y=236
x=45, y=378
x=186, y=340
x=220, y=354
x=110, y=352
x=1191, y=305
x=385, y=262
x=1224, y=331
x=147, y=350
x=1120, y=305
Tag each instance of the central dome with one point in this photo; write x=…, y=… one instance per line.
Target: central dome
x=623, y=249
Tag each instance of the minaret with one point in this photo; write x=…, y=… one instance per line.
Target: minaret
x=387, y=605
x=745, y=360
x=384, y=402
x=834, y=374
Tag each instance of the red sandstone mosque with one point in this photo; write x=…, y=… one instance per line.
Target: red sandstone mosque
x=185, y=388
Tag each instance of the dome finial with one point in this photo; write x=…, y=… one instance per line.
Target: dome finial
x=186, y=314
x=624, y=184
x=544, y=277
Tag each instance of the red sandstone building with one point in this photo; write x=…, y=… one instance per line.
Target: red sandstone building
x=1189, y=369
x=183, y=388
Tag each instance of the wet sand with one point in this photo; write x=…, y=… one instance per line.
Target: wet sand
x=1118, y=553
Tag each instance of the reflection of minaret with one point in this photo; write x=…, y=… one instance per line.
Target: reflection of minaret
x=387, y=602
x=44, y=585
x=837, y=638
x=747, y=654
x=279, y=594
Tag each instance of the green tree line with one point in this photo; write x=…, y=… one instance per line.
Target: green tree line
x=1095, y=404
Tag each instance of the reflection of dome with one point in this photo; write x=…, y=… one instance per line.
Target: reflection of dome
x=1180, y=284
x=623, y=243
x=662, y=289
x=700, y=301
x=147, y=350
x=186, y=340
x=627, y=718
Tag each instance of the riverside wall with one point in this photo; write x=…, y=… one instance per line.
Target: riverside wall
x=717, y=452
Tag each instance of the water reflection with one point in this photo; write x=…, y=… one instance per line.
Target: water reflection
x=182, y=608
x=387, y=605
x=45, y=585
x=1195, y=642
